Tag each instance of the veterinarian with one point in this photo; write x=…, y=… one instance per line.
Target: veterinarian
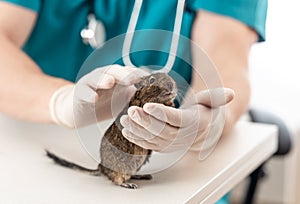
x=44, y=44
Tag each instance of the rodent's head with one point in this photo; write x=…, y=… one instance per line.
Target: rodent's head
x=156, y=88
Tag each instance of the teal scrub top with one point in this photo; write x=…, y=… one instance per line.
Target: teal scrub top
x=56, y=46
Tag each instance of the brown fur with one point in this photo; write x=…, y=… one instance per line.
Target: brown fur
x=120, y=158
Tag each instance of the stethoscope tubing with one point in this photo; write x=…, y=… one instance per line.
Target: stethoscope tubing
x=89, y=33
x=175, y=37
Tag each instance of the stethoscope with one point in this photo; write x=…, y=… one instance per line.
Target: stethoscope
x=94, y=33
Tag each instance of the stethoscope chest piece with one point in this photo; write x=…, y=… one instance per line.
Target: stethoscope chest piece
x=94, y=33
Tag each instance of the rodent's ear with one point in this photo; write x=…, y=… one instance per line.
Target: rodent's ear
x=139, y=85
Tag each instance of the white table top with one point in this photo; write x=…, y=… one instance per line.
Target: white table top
x=28, y=176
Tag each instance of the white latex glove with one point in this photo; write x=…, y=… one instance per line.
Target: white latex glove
x=198, y=123
x=90, y=99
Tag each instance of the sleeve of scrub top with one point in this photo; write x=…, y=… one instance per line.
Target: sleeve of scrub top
x=250, y=12
x=34, y=5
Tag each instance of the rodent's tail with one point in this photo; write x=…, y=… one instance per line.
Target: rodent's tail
x=65, y=163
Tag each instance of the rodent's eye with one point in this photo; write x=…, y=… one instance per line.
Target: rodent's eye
x=151, y=80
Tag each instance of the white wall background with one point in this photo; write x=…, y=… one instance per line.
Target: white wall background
x=275, y=76
x=275, y=64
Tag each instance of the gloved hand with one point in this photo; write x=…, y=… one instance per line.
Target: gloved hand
x=89, y=100
x=198, y=123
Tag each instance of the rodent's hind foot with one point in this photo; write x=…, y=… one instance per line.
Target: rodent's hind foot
x=129, y=185
x=142, y=177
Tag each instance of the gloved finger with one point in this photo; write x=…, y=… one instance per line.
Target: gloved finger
x=98, y=80
x=106, y=77
x=143, y=124
x=84, y=94
x=148, y=127
x=212, y=98
x=168, y=140
x=123, y=75
x=126, y=75
x=156, y=143
x=176, y=117
x=129, y=125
